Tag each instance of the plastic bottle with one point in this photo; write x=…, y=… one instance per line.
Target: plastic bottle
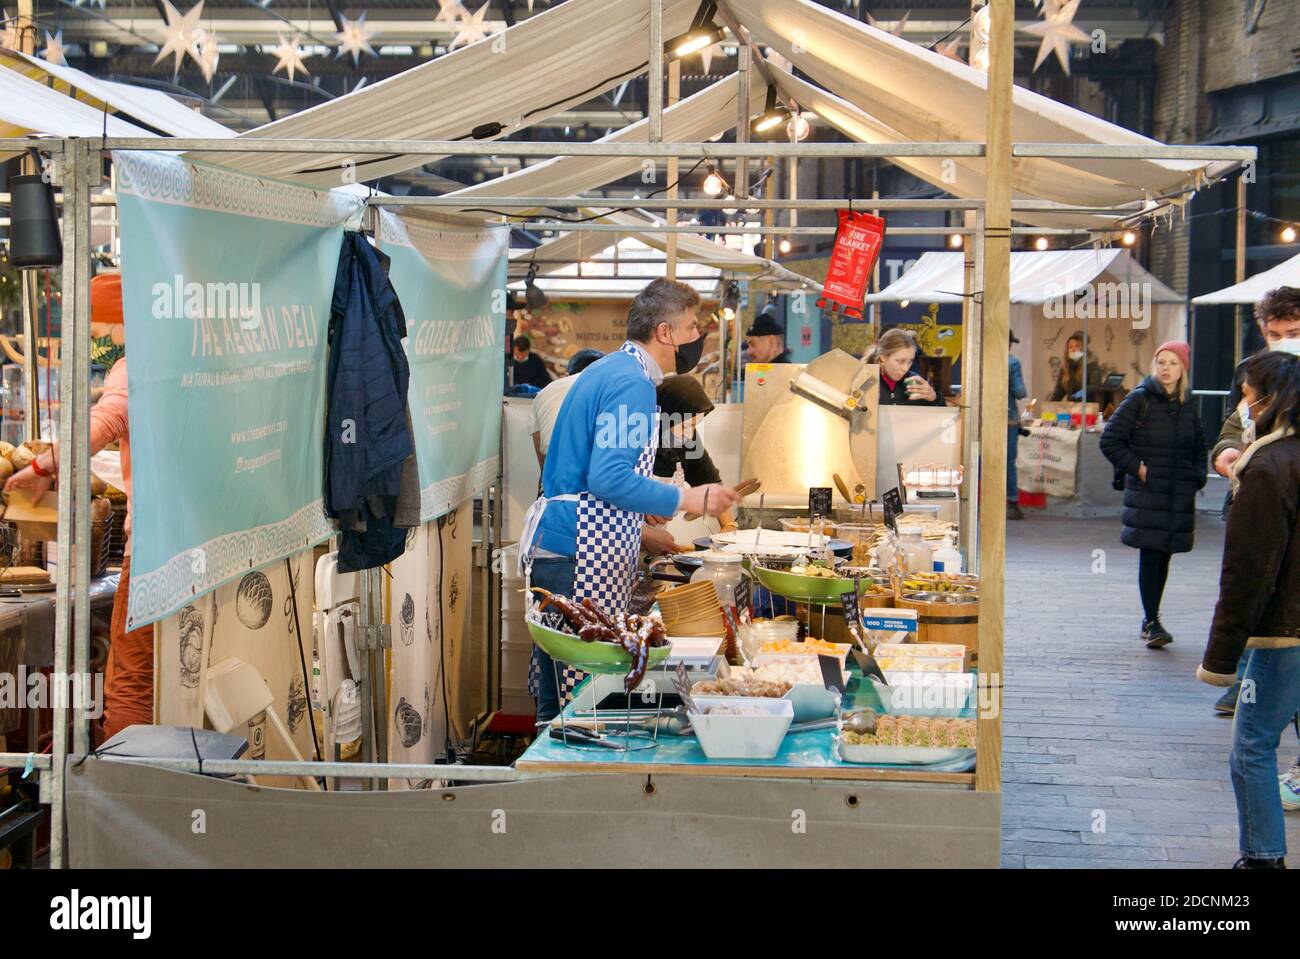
x=947, y=558
x=918, y=556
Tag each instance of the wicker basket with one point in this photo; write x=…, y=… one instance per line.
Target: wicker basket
x=31, y=552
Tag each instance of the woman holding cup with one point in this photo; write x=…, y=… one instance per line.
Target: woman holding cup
x=900, y=383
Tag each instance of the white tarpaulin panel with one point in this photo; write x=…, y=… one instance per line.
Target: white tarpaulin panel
x=548, y=63
x=963, y=182
x=150, y=107
x=1251, y=289
x=925, y=96
x=1035, y=277
x=28, y=107
x=601, y=275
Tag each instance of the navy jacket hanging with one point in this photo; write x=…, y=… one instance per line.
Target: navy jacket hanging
x=368, y=437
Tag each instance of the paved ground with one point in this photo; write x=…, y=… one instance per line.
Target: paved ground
x=1096, y=723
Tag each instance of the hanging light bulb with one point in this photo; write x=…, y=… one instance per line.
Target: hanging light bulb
x=904, y=304
x=1288, y=234
x=785, y=246
x=955, y=241
x=730, y=211
x=1129, y=238
x=713, y=183
x=1040, y=244
x=534, y=295
x=730, y=302
x=798, y=128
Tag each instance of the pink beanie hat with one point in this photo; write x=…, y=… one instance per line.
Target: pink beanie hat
x=1179, y=349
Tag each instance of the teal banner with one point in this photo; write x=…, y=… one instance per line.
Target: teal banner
x=451, y=282
x=227, y=281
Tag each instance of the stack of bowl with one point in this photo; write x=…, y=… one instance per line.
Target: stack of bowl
x=692, y=610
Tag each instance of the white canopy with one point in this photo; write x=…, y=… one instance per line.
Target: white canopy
x=924, y=96
x=152, y=108
x=1036, y=277
x=28, y=107
x=603, y=275
x=1252, y=289
x=552, y=61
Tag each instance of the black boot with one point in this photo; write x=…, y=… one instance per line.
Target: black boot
x=1155, y=635
x=1013, y=510
x=1245, y=862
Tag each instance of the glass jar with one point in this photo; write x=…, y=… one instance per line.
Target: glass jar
x=725, y=572
x=917, y=555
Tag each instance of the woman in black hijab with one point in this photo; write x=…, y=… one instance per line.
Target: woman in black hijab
x=682, y=404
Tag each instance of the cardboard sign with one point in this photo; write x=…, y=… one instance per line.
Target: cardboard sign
x=858, y=240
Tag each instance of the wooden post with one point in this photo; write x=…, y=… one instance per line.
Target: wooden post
x=993, y=392
x=1238, y=310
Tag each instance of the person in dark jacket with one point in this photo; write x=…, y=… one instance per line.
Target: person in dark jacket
x=1070, y=377
x=900, y=383
x=1155, y=439
x=682, y=404
x=529, y=370
x=1259, y=603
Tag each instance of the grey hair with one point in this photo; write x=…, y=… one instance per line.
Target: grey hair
x=659, y=302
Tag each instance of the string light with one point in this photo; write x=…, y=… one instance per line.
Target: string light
x=798, y=128
x=785, y=246
x=955, y=241
x=713, y=183
x=1288, y=234
x=1040, y=244
x=1129, y=238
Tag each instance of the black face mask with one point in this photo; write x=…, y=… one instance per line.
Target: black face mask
x=687, y=356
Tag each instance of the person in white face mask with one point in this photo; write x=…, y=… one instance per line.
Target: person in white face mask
x=1278, y=316
x=1070, y=378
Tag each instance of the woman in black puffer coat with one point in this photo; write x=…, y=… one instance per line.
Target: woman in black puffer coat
x=1155, y=440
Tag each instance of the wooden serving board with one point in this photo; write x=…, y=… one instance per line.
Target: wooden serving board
x=24, y=576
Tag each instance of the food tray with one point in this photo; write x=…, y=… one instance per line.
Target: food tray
x=742, y=737
x=901, y=755
x=943, y=695
x=604, y=658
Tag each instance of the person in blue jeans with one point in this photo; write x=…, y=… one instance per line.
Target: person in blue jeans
x=1015, y=392
x=1259, y=602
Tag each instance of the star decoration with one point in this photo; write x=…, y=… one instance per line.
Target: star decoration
x=53, y=52
x=470, y=29
x=707, y=54
x=1058, y=32
x=354, y=38
x=449, y=11
x=949, y=49
x=208, y=52
x=898, y=27
x=979, y=38
x=179, y=34
x=9, y=37
x=289, y=55
x=78, y=3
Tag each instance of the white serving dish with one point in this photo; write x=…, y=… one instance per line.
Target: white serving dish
x=742, y=737
x=925, y=694
x=693, y=649
x=769, y=538
x=812, y=702
x=901, y=755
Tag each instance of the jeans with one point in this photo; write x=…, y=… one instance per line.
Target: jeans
x=1013, y=441
x=555, y=575
x=1262, y=713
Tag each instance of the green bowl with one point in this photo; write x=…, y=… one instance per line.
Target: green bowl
x=589, y=657
x=819, y=590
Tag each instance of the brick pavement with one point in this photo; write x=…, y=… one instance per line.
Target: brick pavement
x=1094, y=720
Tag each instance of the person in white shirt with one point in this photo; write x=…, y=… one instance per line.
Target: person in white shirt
x=547, y=403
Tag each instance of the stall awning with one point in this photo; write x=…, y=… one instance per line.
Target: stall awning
x=28, y=107
x=548, y=63
x=1251, y=289
x=604, y=275
x=925, y=96
x=961, y=181
x=1036, y=277
x=151, y=108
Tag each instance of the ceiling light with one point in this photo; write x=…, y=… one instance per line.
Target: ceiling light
x=713, y=183
x=704, y=32
x=798, y=128
x=903, y=304
x=730, y=302
x=773, y=115
x=785, y=246
x=955, y=241
x=1129, y=238
x=534, y=295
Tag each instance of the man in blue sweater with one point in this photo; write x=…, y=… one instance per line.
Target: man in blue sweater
x=582, y=537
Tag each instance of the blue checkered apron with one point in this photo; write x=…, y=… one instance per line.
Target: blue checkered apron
x=608, y=546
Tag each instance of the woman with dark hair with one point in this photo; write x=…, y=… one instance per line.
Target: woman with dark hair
x=1259, y=601
x=1154, y=440
x=682, y=404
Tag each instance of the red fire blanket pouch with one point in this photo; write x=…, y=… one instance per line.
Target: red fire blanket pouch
x=858, y=240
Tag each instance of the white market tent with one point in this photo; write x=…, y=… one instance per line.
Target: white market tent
x=28, y=107
x=1252, y=289
x=603, y=275
x=1130, y=312
x=152, y=108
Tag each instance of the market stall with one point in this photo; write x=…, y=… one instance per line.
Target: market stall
x=686, y=804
